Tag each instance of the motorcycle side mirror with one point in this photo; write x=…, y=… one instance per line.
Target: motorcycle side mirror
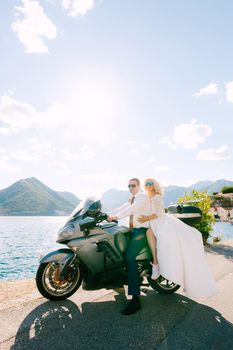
x=87, y=223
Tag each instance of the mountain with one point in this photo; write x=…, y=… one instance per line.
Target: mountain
x=216, y=186
x=114, y=198
x=201, y=184
x=70, y=197
x=31, y=197
x=172, y=193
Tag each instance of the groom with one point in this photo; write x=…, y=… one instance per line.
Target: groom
x=138, y=205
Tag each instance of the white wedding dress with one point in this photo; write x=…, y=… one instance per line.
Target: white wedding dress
x=180, y=251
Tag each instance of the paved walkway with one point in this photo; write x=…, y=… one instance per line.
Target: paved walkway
x=92, y=319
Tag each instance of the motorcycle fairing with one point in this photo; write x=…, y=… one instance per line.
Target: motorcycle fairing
x=60, y=256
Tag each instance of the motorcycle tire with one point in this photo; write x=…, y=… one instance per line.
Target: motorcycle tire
x=54, y=289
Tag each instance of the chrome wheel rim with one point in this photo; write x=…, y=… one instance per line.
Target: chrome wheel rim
x=56, y=287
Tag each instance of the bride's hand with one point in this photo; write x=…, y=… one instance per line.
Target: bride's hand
x=143, y=218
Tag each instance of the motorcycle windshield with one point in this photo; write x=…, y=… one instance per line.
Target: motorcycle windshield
x=89, y=204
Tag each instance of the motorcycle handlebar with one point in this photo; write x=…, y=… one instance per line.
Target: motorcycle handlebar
x=103, y=216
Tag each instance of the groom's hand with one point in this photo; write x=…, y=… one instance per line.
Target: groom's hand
x=111, y=218
x=143, y=218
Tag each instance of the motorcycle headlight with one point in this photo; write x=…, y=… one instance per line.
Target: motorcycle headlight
x=66, y=232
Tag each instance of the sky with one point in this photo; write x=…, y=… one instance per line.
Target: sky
x=95, y=92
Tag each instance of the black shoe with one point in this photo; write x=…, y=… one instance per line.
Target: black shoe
x=133, y=306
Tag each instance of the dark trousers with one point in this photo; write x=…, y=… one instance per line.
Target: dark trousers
x=137, y=241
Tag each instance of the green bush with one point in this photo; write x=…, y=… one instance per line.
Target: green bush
x=207, y=219
x=227, y=189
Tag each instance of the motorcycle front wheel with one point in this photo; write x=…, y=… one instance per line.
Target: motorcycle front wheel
x=52, y=287
x=163, y=286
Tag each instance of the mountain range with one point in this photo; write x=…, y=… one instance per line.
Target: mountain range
x=31, y=197
x=114, y=198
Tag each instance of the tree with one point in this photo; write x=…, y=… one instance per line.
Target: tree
x=227, y=189
x=207, y=219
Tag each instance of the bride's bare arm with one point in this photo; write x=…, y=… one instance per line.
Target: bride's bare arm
x=152, y=216
x=144, y=218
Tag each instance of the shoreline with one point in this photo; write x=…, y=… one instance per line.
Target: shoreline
x=15, y=292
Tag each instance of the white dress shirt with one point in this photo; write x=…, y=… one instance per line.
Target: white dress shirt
x=140, y=206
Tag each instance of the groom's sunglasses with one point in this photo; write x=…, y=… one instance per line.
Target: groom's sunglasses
x=149, y=184
x=132, y=185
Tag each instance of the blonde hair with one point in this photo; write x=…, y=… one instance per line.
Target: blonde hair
x=157, y=187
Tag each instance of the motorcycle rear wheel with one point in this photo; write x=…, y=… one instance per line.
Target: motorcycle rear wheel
x=163, y=286
x=53, y=288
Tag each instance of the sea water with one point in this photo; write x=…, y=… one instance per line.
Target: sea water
x=23, y=241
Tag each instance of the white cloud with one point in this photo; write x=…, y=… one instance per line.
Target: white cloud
x=28, y=156
x=220, y=100
x=85, y=153
x=5, y=165
x=43, y=148
x=69, y=155
x=77, y=7
x=188, y=136
x=146, y=145
x=220, y=153
x=68, y=135
x=131, y=142
x=152, y=160
x=25, y=156
x=36, y=152
x=60, y=168
x=9, y=168
x=33, y=140
x=4, y=131
x=33, y=27
x=18, y=115
x=89, y=109
x=211, y=89
x=105, y=140
x=161, y=168
x=229, y=91
x=168, y=141
x=55, y=115
x=2, y=150
x=133, y=152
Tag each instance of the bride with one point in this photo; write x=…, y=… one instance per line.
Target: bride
x=177, y=248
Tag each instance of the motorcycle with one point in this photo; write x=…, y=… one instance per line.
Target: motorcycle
x=95, y=256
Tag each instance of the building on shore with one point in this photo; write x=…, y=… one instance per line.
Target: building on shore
x=222, y=206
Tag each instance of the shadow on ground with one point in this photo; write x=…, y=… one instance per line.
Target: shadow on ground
x=221, y=249
x=165, y=322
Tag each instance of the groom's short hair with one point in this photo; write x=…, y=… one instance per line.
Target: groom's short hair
x=135, y=179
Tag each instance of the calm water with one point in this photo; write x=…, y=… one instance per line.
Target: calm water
x=23, y=240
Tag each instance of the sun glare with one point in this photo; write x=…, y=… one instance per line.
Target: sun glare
x=93, y=105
